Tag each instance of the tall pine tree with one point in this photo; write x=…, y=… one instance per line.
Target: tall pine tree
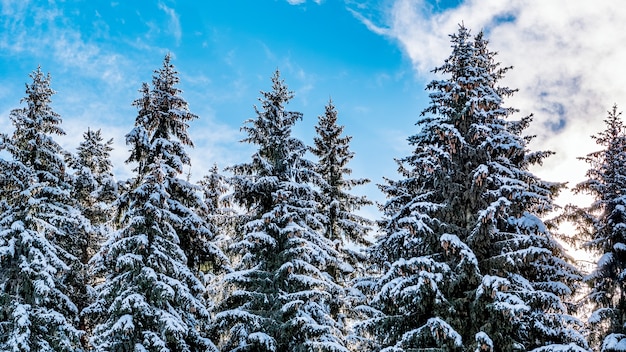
x=343, y=225
x=602, y=226
x=38, y=229
x=278, y=298
x=347, y=230
x=151, y=300
x=94, y=190
x=467, y=262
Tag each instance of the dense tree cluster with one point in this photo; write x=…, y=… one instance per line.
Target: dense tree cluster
x=272, y=254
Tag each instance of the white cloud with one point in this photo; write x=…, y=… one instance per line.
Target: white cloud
x=369, y=23
x=49, y=36
x=300, y=2
x=567, y=55
x=97, y=81
x=174, y=21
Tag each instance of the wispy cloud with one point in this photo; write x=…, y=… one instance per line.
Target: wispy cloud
x=97, y=80
x=300, y=2
x=43, y=32
x=369, y=23
x=567, y=55
x=174, y=22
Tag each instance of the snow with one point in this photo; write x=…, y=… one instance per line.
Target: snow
x=467, y=256
x=614, y=343
x=560, y=348
x=531, y=222
x=17, y=226
x=483, y=342
x=605, y=259
x=124, y=324
x=440, y=331
x=267, y=342
x=492, y=284
x=619, y=247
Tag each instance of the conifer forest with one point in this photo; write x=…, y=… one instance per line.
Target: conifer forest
x=273, y=254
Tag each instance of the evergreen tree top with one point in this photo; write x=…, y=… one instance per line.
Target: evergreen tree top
x=271, y=132
x=94, y=154
x=40, y=231
x=600, y=228
x=173, y=110
x=35, y=125
x=161, y=123
x=38, y=113
x=337, y=204
x=272, y=118
x=605, y=172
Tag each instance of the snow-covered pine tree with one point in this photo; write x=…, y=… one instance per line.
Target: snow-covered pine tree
x=38, y=226
x=95, y=188
x=601, y=225
x=343, y=226
x=196, y=239
x=215, y=187
x=222, y=220
x=468, y=264
x=347, y=230
x=277, y=298
x=94, y=191
x=218, y=212
x=151, y=300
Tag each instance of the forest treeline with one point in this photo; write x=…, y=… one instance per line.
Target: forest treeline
x=270, y=254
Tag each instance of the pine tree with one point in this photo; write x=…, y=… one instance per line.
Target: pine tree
x=343, y=226
x=196, y=238
x=217, y=211
x=95, y=188
x=277, y=299
x=38, y=228
x=215, y=187
x=468, y=264
x=602, y=225
x=347, y=230
x=94, y=191
x=151, y=300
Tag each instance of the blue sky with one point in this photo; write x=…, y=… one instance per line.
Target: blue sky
x=373, y=58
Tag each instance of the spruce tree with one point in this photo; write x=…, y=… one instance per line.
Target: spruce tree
x=278, y=297
x=468, y=264
x=38, y=229
x=151, y=300
x=347, y=230
x=215, y=187
x=343, y=226
x=217, y=210
x=601, y=225
x=94, y=185
x=94, y=191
